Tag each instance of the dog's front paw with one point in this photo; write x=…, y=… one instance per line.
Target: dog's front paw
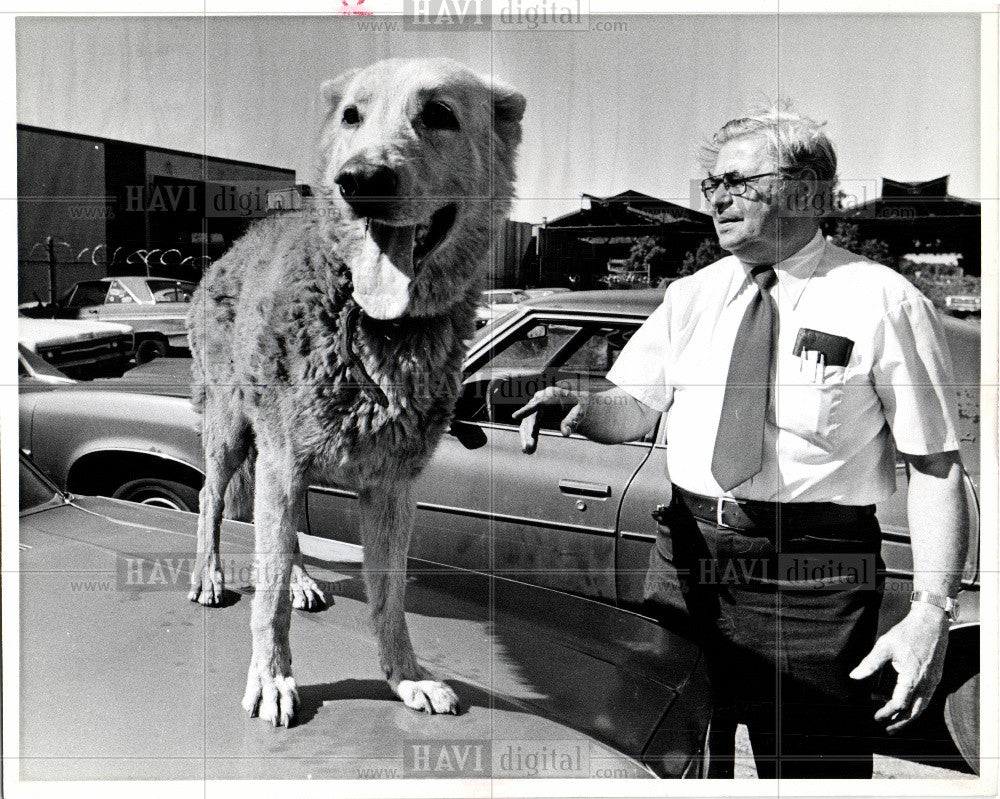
x=207, y=582
x=306, y=594
x=429, y=696
x=272, y=697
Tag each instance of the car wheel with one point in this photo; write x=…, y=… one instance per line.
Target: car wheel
x=159, y=493
x=961, y=715
x=150, y=348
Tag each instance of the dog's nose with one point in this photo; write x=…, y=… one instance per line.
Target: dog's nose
x=361, y=181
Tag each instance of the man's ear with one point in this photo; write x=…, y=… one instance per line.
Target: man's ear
x=333, y=90
x=806, y=195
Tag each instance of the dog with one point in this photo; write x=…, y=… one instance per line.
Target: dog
x=329, y=344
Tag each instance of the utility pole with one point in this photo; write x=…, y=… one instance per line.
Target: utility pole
x=50, y=245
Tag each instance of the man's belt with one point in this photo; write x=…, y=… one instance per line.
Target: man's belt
x=742, y=514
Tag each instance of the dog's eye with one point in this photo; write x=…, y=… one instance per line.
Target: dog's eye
x=351, y=115
x=438, y=116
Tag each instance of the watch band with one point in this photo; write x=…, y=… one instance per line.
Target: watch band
x=946, y=603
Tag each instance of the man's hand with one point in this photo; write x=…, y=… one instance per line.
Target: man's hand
x=916, y=648
x=559, y=394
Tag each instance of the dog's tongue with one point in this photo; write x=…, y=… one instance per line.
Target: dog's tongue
x=384, y=271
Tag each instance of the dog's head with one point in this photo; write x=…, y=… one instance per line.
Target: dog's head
x=419, y=155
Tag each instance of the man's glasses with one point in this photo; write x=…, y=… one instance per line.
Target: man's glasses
x=735, y=184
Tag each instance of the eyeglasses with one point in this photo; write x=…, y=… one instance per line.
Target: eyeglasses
x=735, y=184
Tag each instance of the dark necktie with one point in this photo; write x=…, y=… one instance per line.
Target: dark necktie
x=739, y=444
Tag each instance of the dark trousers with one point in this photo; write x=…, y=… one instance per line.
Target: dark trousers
x=784, y=615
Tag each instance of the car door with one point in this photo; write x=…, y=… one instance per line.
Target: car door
x=548, y=518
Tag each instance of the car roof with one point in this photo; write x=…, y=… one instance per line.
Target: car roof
x=130, y=280
x=638, y=302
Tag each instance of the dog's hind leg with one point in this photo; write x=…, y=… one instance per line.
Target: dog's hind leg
x=306, y=592
x=386, y=519
x=271, y=691
x=227, y=442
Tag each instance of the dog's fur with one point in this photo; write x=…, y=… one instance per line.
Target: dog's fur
x=266, y=328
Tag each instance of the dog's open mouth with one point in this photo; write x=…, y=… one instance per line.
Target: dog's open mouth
x=390, y=258
x=427, y=238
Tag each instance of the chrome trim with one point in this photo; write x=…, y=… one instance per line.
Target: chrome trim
x=482, y=514
x=638, y=536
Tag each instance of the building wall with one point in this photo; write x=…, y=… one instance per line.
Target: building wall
x=124, y=197
x=61, y=193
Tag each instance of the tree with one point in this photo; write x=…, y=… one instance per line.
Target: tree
x=646, y=255
x=708, y=252
x=846, y=236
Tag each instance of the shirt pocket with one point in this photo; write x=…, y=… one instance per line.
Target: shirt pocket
x=808, y=399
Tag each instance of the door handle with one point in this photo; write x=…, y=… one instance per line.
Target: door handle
x=581, y=489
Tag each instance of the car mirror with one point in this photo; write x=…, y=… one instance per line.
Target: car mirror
x=470, y=436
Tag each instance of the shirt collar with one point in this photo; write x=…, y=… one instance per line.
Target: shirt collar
x=793, y=272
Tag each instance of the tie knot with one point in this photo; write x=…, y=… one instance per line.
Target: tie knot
x=764, y=277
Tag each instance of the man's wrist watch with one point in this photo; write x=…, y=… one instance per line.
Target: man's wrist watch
x=946, y=603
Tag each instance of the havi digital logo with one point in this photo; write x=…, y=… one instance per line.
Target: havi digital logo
x=455, y=15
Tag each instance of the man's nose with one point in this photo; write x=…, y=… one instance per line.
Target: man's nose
x=721, y=198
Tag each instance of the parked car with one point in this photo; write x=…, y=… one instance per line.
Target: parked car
x=77, y=347
x=33, y=369
x=962, y=304
x=573, y=518
x=497, y=303
x=537, y=294
x=155, y=307
x=108, y=636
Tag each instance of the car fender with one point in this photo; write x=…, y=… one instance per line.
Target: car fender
x=69, y=425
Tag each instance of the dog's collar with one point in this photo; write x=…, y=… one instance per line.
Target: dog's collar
x=357, y=366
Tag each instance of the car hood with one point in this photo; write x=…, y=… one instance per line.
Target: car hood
x=34, y=333
x=108, y=637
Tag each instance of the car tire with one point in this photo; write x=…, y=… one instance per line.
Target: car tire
x=961, y=715
x=160, y=493
x=149, y=349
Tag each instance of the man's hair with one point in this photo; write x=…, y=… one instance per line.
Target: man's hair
x=796, y=142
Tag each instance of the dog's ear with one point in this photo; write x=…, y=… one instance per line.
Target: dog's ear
x=508, y=109
x=508, y=103
x=333, y=90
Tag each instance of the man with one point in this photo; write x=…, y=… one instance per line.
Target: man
x=788, y=372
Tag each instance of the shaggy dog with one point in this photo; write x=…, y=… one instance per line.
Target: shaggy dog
x=328, y=344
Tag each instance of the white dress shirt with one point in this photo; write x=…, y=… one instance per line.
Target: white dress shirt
x=829, y=429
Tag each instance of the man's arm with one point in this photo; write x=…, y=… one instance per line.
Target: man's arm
x=939, y=536
x=609, y=417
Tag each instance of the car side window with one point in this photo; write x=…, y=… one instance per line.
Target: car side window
x=534, y=348
x=91, y=292
x=598, y=353
x=537, y=356
x=118, y=295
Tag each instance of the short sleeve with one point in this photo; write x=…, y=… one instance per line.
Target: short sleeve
x=914, y=379
x=641, y=369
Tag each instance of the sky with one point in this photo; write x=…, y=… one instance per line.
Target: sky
x=607, y=110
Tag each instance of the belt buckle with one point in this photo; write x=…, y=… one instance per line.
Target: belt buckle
x=720, y=508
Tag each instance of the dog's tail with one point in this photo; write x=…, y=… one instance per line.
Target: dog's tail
x=239, y=492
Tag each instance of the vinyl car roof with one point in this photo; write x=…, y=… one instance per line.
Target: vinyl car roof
x=633, y=302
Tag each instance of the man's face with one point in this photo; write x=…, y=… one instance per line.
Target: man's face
x=747, y=225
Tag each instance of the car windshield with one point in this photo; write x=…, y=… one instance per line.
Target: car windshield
x=34, y=491
x=171, y=290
